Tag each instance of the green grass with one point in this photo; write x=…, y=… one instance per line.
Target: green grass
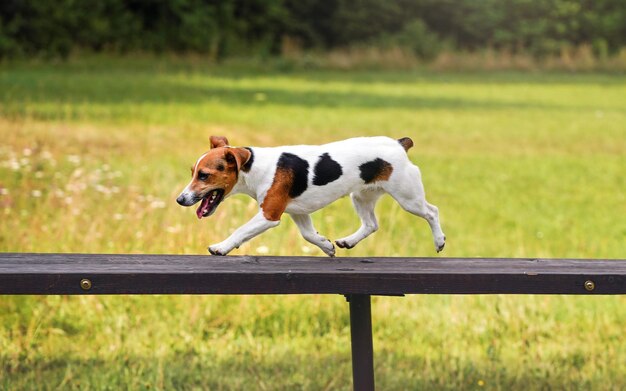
x=93, y=154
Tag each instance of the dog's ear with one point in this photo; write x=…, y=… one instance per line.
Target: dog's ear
x=237, y=157
x=218, y=141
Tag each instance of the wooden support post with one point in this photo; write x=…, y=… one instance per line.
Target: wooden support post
x=361, y=339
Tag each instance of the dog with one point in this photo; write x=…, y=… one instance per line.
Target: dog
x=300, y=179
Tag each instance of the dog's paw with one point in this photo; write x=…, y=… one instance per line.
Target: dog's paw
x=217, y=250
x=328, y=248
x=344, y=244
x=440, y=243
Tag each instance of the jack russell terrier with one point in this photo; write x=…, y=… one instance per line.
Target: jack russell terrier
x=301, y=179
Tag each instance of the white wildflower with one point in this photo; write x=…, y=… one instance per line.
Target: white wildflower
x=173, y=229
x=14, y=165
x=77, y=173
x=36, y=193
x=74, y=159
x=27, y=151
x=157, y=204
x=102, y=189
x=262, y=250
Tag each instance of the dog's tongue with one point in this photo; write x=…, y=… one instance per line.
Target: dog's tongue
x=204, y=205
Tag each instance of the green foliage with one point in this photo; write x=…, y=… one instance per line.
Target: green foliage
x=256, y=27
x=220, y=28
x=416, y=37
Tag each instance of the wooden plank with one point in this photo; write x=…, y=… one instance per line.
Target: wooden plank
x=27, y=273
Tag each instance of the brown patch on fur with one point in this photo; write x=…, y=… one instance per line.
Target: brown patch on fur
x=406, y=143
x=218, y=141
x=384, y=173
x=277, y=197
x=217, y=179
x=240, y=156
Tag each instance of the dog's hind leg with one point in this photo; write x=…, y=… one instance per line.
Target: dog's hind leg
x=305, y=225
x=364, y=202
x=407, y=189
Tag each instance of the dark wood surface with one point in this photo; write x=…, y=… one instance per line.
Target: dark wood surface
x=26, y=273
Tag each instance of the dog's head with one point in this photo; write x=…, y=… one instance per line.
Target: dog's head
x=213, y=176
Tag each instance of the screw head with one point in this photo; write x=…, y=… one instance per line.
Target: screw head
x=85, y=284
x=590, y=285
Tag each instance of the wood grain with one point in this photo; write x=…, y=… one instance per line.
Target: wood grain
x=28, y=273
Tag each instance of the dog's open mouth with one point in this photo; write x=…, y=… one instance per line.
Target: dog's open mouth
x=209, y=203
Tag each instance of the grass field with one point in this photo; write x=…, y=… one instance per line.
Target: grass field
x=94, y=152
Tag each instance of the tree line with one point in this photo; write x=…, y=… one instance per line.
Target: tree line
x=224, y=28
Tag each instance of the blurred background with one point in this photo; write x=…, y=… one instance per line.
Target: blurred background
x=518, y=113
x=571, y=34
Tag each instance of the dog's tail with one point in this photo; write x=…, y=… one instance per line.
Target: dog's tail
x=406, y=143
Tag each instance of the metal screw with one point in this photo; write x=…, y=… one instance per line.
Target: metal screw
x=590, y=285
x=85, y=284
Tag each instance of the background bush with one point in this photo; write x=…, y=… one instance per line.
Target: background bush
x=227, y=28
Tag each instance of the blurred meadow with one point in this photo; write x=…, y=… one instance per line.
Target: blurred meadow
x=95, y=150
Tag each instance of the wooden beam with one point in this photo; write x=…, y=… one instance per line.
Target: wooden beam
x=27, y=273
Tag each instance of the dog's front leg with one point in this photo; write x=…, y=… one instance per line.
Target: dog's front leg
x=258, y=224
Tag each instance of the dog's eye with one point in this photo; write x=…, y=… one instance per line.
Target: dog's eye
x=202, y=176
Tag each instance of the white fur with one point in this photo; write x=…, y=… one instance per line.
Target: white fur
x=195, y=166
x=404, y=185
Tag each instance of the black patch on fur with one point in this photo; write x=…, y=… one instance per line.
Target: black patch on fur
x=246, y=167
x=372, y=169
x=230, y=159
x=300, y=169
x=326, y=170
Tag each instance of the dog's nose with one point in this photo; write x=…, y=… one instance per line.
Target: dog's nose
x=181, y=200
